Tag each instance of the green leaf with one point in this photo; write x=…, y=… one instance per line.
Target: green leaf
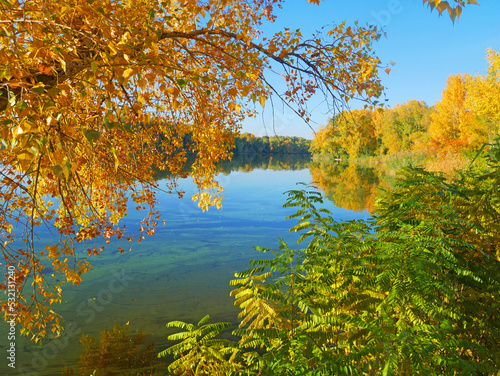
x=7, y=3
x=39, y=90
x=22, y=105
x=57, y=170
x=58, y=50
x=92, y=135
x=204, y=320
x=110, y=125
x=181, y=82
x=53, y=91
x=127, y=128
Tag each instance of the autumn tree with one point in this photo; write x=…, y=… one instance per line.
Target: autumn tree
x=452, y=124
x=355, y=130
x=483, y=96
x=324, y=142
x=95, y=93
x=398, y=127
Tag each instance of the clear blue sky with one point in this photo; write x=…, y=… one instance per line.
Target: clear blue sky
x=425, y=47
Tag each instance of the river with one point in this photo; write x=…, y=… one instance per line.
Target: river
x=183, y=271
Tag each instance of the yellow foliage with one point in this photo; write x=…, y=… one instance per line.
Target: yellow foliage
x=483, y=96
x=453, y=124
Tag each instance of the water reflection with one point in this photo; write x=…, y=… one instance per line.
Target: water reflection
x=350, y=186
x=249, y=162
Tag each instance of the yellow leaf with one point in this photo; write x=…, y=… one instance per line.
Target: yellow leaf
x=154, y=47
x=127, y=73
x=173, y=90
x=262, y=101
x=17, y=131
x=112, y=48
x=117, y=162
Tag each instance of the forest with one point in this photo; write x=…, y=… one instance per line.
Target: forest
x=247, y=143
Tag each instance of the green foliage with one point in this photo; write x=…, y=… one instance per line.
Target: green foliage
x=199, y=353
x=115, y=354
x=413, y=291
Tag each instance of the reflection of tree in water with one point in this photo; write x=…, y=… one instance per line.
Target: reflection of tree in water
x=249, y=162
x=240, y=162
x=349, y=186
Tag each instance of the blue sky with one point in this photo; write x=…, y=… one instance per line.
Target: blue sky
x=425, y=47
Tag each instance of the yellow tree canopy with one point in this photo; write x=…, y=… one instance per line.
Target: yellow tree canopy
x=356, y=131
x=95, y=95
x=469, y=113
x=452, y=123
x=398, y=127
x=483, y=96
x=352, y=132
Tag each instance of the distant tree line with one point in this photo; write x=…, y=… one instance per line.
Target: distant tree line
x=247, y=143
x=467, y=116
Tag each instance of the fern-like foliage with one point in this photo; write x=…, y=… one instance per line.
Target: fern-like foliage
x=460, y=225
x=199, y=353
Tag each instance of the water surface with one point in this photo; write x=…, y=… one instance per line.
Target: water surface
x=180, y=273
